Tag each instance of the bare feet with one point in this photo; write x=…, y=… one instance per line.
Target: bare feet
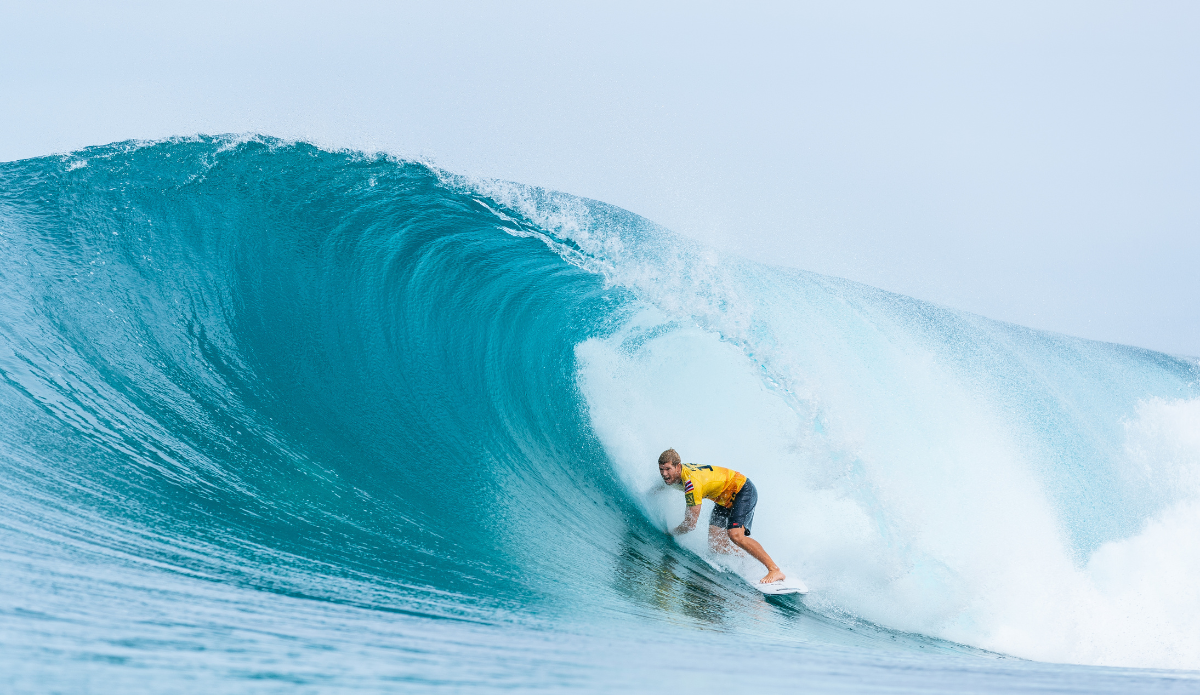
x=775, y=575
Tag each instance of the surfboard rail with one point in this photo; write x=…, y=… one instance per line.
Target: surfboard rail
x=786, y=586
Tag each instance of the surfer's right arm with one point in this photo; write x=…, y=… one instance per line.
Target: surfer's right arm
x=690, y=517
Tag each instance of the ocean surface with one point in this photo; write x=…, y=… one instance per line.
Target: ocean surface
x=275, y=418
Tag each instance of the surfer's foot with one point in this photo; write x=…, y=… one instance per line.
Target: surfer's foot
x=775, y=575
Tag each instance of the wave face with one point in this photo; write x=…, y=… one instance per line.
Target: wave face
x=278, y=415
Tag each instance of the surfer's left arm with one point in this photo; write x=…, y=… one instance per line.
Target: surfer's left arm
x=690, y=517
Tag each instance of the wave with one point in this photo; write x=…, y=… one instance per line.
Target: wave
x=366, y=384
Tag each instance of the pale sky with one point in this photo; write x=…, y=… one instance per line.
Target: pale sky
x=1034, y=162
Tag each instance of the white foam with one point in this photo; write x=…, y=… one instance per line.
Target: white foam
x=914, y=511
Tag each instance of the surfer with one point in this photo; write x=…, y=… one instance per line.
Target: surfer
x=734, y=496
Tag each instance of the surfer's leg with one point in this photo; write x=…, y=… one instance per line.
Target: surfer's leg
x=741, y=540
x=741, y=515
x=718, y=540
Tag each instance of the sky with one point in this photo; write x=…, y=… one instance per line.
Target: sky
x=1034, y=162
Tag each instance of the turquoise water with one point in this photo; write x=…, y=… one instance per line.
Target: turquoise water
x=275, y=418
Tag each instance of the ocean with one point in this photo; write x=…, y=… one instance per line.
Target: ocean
x=277, y=418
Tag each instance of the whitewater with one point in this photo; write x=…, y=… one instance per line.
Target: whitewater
x=280, y=418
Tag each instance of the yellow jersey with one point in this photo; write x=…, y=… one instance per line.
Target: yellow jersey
x=711, y=482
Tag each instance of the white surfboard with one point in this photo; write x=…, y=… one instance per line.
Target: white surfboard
x=790, y=585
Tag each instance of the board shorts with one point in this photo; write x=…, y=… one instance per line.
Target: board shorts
x=740, y=514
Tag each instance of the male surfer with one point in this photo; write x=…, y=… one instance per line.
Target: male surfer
x=735, y=497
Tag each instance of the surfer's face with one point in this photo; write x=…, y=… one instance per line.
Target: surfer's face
x=669, y=472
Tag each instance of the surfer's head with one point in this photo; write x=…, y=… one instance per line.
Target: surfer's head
x=669, y=466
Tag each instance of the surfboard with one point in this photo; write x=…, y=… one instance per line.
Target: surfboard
x=790, y=585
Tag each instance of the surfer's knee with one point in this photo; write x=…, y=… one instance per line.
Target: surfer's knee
x=737, y=535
